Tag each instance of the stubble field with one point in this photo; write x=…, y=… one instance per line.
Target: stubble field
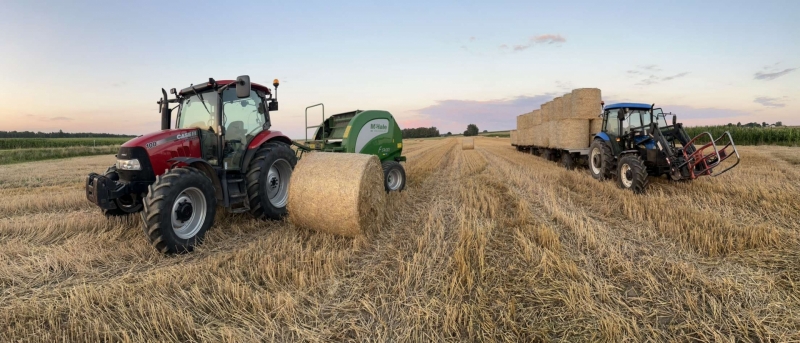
x=484, y=245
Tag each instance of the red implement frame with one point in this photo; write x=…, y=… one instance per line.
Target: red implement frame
x=704, y=159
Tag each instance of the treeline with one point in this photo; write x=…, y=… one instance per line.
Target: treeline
x=59, y=134
x=752, y=135
x=421, y=132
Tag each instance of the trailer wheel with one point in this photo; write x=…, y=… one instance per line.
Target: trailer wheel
x=394, y=176
x=126, y=205
x=632, y=173
x=567, y=161
x=178, y=210
x=547, y=154
x=268, y=180
x=601, y=160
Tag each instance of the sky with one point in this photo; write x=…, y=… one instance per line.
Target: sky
x=99, y=66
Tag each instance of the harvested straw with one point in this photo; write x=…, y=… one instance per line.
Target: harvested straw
x=468, y=143
x=585, y=103
x=595, y=125
x=572, y=133
x=337, y=193
x=537, y=117
x=513, y=137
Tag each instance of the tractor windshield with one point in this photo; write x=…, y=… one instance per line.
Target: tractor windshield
x=661, y=118
x=194, y=114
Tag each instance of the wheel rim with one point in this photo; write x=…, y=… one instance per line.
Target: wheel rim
x=626, y=175
x=188, y=213
x=596, y=161
x=278, y=183
x=394, y=179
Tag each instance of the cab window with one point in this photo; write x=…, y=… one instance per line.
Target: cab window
x=635, y=119
x=243, y=119
x=612, y=123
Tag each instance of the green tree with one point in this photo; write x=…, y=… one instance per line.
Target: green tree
x=778, y=123
x=472, y=130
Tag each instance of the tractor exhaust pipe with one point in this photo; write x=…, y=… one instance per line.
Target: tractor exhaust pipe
x=166, y=112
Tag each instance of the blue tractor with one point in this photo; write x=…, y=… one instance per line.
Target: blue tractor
x=636, y=142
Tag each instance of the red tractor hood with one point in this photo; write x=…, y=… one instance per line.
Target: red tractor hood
x=151, y=140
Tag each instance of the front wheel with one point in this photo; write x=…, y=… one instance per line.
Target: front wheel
x=632, y=174
x=268, y=180
x=394, y=176
x=178, y=210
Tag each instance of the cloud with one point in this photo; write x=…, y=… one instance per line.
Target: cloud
x=541, y=39
x=770, y=102
x=60, y=118
x=548, y=39
x=454, y=115
x=652, y=72
x=773, y=75
x=675, y=76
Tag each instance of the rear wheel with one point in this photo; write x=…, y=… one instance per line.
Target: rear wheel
x=632, y=174
x=127, y=204
x=601, y=160
x=394, y=176
x=178, y=210
x=268, y=180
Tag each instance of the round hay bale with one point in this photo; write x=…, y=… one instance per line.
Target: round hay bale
x=520, y=123
x=338, y=193
x=468, y=143
x=573, y=134
x=566, y=106
x=555, y=112
x=537, y=117
x=546, y=111
x=595, y=125
x=552, y=134
x=586, y=103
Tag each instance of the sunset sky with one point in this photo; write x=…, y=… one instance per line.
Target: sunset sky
x=99, y=66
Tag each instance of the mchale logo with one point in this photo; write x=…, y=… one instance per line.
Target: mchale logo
x=378, y=126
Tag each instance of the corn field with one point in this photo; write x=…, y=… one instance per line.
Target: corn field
x=31, y=143
x=784, y=136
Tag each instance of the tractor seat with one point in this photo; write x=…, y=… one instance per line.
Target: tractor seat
x=236, y=131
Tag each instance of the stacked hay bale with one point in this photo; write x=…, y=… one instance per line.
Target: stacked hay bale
x=513, y=137
x=566, y=122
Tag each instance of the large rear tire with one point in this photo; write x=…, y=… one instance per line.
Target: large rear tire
x=126, y=205
x=394, y=176
x=632, y=173
x=268, y=177
x=178, y=210
x=601, y=160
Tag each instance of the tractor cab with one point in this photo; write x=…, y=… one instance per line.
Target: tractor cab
x=228, y=118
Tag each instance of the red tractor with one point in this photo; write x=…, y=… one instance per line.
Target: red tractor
x=221, y=151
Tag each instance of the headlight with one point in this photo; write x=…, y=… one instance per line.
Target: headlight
x=129, y=164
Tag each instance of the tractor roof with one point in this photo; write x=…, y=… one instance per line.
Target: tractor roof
x=628, y=105
x=202, y=87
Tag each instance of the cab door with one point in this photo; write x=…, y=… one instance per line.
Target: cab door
x=611, y=126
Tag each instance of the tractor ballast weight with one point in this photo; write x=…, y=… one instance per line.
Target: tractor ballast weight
x=371, y=132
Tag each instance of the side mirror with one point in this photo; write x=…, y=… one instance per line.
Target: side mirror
x=243, y=86
x=674, y=119
x=273, y=105
x=173, y=91
x=621, y=114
